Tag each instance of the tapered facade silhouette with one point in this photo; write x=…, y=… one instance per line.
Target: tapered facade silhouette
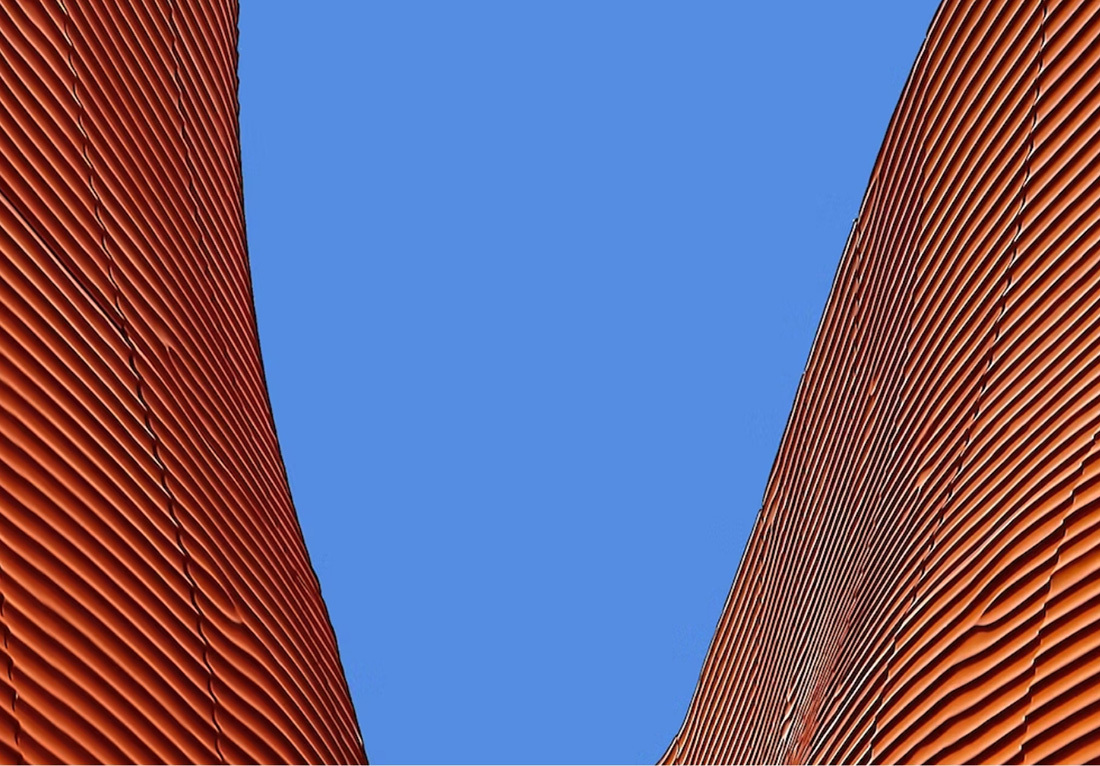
x=156, y=598
x=922, y=583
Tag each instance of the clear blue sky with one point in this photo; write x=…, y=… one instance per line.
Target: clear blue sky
x=536, y=282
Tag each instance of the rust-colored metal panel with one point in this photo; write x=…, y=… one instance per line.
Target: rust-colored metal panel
x=157, y=603
x=923, y=580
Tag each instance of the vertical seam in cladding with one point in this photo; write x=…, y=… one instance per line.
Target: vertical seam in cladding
x=202, y=242
x=1033, y=670
x=1013, y=249
x=139, y=386
x=188, y=163
x=10, y=669
x=1062, y=523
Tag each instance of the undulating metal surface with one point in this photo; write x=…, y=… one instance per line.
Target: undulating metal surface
x=156, y=598
x=923, y=580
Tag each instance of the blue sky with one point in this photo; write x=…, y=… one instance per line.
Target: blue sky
x=535, y=284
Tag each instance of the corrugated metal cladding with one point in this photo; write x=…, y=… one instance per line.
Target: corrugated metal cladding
x=156, y=599
x=923, y=580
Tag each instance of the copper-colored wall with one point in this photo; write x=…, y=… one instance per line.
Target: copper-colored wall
x=156, y=599
x=923, y=579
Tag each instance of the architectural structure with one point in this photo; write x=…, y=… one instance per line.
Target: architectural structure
x=922, y=583
x=157, y=603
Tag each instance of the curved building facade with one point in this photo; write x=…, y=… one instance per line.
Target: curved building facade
x=157, y=603
x=922, y=583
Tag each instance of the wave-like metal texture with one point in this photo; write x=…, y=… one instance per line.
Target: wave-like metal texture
x=923, y=580
x=157, y=603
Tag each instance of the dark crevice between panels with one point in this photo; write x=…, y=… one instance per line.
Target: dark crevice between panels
x=146, y=410
x=204, y=238
x=5, y=631
x=1021, y=753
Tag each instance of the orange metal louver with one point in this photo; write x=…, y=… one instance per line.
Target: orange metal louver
x=156, y=598
x=923, y=581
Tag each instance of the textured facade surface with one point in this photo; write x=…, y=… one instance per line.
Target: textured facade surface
x=156, y=598
x=922, y=583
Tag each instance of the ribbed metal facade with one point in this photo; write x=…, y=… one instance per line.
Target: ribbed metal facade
x=156, y=598
x=923, y=581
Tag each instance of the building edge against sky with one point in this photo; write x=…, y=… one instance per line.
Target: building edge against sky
x=157, y=602
x=921, y=582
